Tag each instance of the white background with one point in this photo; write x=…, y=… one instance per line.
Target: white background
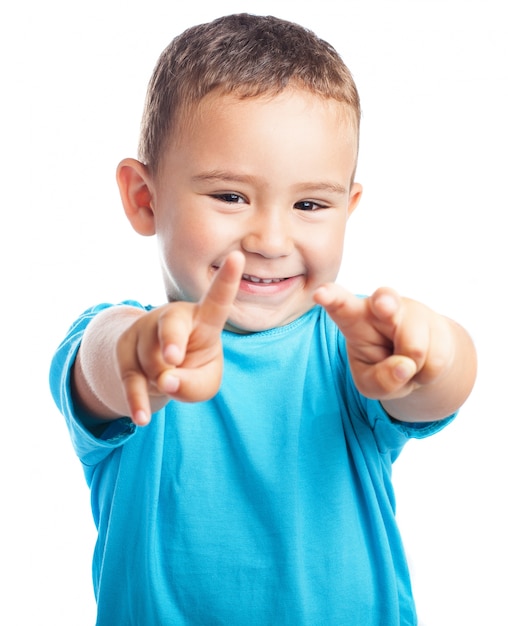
x=432, y=77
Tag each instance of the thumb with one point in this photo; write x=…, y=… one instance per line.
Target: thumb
x=385, y=379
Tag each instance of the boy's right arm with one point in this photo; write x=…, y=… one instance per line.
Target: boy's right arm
x=132, y=362
x=96, y=380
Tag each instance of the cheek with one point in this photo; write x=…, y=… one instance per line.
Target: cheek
x=326, y=257
x=187, y=249
x=181, y=237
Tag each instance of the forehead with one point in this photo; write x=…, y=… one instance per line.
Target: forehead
x=279, y=139
x=229, y=107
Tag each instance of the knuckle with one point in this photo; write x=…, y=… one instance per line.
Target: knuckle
x=384, y=383
x=435, y=365
x=415, y=352
x=134, y=381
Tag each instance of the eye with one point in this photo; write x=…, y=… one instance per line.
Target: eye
x=308, y=205
x=230, y=198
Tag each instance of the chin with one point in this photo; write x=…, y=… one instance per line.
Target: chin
x=260, y=320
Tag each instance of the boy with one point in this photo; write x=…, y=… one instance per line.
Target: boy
x=238, y=440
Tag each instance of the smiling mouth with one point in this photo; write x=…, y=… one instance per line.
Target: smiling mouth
x=265, y=281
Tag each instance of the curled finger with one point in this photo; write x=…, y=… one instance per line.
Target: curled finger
x=390, y=378
x=135, y=388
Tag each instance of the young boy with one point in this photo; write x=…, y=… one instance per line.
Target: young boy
x=238, y=440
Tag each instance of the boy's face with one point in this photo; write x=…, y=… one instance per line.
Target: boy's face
x=270, y=177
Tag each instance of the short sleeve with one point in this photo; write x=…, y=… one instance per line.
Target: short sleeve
x=390, y=434
x=89, y=448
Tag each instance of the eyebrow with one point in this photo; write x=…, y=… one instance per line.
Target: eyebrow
x=231, y=177
x=322, y=186
x=222, y=175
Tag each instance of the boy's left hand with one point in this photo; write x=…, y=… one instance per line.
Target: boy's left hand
x=397, y=347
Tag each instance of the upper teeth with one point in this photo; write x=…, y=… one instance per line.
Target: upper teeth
x=266, y=281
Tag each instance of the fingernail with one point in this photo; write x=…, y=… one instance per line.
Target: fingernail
x=172, y=354
x=140, y=418
x=405, y=370
x=168, y=383
x=321, y=295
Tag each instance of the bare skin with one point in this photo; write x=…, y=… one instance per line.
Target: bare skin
x=250, y=210
x=420, y=364
x=132, y=362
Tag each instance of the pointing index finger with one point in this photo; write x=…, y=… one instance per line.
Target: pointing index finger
x=342, y=306
x=216, y=304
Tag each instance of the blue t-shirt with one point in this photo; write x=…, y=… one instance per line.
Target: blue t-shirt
x=270, y=504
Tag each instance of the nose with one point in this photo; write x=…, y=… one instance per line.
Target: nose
x=269, y=234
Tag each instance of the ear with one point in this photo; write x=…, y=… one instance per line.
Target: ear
x=135, y=184
x=355, y=195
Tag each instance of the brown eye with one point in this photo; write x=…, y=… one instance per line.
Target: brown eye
x=308, y=205
x=231, y=198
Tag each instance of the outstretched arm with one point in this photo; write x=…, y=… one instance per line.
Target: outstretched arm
x=131, y=362
x=419, y=364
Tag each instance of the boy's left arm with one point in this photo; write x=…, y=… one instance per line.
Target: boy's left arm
x=419, y=364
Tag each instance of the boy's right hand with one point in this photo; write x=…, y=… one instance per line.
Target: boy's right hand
x=175, y=351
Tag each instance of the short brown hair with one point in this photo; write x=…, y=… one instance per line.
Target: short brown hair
x=247, y=55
